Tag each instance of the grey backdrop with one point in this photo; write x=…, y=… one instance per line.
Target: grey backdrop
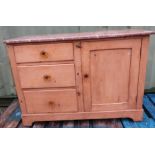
x=7, y=87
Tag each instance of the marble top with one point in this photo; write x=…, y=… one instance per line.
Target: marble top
x=79, y=36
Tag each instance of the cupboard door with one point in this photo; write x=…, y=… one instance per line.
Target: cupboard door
x=110, y=74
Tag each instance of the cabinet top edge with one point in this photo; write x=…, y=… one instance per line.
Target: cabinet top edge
x=79, y=36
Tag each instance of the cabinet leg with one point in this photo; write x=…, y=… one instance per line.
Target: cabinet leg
x=137, y=118
x=26, y=122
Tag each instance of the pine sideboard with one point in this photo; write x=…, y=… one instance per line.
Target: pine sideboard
x=95, y=75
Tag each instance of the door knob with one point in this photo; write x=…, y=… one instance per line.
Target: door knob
x=51, y=102
x=44, y=54
x=47, y=77
x=86, y=75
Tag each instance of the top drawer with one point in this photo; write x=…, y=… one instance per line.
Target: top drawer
x=43, y=52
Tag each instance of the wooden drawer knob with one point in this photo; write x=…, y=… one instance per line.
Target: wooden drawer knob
x=47, y=77
x=51, y=102
x=44, y=54
x=86, y=76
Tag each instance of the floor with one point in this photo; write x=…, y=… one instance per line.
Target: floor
x=11, y=118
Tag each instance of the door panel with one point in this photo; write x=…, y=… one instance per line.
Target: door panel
x=107, y=68
x=112, y=74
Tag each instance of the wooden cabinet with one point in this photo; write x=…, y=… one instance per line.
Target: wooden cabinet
x=80, y=76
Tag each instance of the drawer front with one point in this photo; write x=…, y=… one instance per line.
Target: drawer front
x=51, y=101
x=43, y=52
x=42, y=76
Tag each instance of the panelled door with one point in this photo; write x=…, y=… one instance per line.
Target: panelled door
x=110, y=74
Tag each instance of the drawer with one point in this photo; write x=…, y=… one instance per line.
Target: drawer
x=43, y=52
x=43, y=76
x=48, y=101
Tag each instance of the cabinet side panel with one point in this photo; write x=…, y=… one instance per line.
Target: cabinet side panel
x=11, y=55
x=142, y=71
x=134, y=73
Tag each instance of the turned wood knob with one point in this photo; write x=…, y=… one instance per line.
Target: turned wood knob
x=86, y=75
x=47, y=77
x=51, y=102
x=44, y=54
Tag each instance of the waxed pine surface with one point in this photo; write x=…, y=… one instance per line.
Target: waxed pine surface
x=7, y=87
x=11, y=118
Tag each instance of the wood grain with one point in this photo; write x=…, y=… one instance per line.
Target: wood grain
x=136, y=115
x=21, y=99
x=78, y=73
x=43, y=52
x=112, y=69
x=79, y=77
x=142, y=71
x=54, y=124
x=46, y=76
x=83, y=124
x=68, y=124
x=50, y=101
x=109, y=71
x=14, y=119
x=8, y=112
x=39, y=125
